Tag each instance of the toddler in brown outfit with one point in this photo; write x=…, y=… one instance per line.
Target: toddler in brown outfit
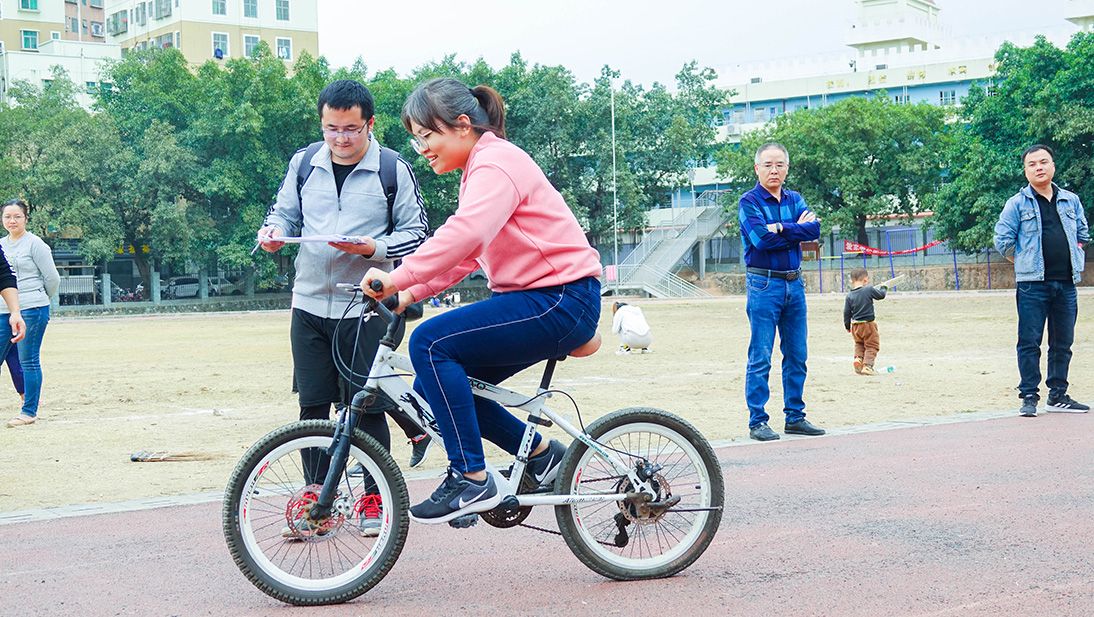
x=858, y=319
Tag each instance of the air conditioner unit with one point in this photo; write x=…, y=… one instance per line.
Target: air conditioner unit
x=733, y=129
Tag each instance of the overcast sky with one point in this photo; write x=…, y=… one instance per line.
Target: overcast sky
x=646, y=40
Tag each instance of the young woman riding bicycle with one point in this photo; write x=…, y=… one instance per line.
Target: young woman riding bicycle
x=511, y=222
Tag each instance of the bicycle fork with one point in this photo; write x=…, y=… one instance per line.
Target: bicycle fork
x=338, y=451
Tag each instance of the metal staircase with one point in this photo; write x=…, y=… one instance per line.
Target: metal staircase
x=649, y=267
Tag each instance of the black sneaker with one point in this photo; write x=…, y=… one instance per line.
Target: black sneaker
x=804, y=427
x=457, y=496
x=762, y=432
x=543, y=467
x=420, y=448
x=1029, y=407
x=1065, y=404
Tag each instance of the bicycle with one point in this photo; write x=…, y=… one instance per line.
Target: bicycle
x=639, y=492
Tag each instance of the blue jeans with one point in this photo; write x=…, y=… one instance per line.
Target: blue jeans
x=1038, y=302
x=492, y=340
x=29, y=348
x=772, y=304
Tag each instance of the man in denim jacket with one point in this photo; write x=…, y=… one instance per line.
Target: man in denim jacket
x=1042, y=230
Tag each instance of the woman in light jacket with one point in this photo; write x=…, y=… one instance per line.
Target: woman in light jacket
x=32, y=262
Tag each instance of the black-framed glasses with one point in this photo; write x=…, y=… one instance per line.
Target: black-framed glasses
x=348, y=133
x=419, y=143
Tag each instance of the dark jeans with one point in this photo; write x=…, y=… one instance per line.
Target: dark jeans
x=1038, y=302
x=492, y=340
x=319, y=383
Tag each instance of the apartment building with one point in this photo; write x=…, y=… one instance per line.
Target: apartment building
x=215, y=29
x=36, y=35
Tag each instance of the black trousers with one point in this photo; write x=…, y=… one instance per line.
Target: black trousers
x=316, y=343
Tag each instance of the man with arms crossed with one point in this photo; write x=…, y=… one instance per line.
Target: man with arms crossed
x=774, y=222
x=1042, y=230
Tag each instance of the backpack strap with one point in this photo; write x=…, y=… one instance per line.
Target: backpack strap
x=306, y=167
x=389, y=159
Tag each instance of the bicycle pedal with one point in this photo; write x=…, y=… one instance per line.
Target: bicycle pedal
x=465, y=521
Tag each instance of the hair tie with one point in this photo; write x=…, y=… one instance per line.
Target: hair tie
x=472, y=91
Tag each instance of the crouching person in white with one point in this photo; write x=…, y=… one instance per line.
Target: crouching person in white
x=630, y=324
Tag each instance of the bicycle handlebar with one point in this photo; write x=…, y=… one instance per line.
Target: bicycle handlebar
x=385, y=307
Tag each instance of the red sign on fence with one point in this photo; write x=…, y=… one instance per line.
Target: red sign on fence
x=855, y=247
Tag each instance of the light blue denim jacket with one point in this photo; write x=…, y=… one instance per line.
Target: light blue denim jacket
x=1018, y=233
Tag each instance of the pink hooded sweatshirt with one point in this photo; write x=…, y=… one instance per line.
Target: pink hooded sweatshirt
x=510, y=222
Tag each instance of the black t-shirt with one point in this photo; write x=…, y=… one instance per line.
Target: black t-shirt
x=1054, y=246
x=340, y=173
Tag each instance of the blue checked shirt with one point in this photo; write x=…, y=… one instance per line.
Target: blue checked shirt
x=766, y=249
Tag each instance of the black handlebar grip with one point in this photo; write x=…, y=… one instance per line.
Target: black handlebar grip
x=376, y=285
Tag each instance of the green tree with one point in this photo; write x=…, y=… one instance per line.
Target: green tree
x=857, y=158
x=1040, y=94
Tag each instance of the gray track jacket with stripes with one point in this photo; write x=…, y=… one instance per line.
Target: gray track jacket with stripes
x=361, y=210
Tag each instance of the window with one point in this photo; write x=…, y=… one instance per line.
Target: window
x=901, y=99
x=73, y=25
x=250, y=8
x=249, y=44
x=282, y=10
x=284, y=49
x=178, y=39
x=84, y=27
x=30, y=39
x=947, y=97
x=98, y=4
x=32, y=5
x=220, y=44
x=56, y=36
x=97, y=28
x=162, y=9
x=738, y=116
x=140, y=14
x=759, y=114
x=117, y=23
x=220, y=7
x=91, y=87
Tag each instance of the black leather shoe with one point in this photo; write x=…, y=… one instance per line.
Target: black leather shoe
x=762, y=432
x=802, y=427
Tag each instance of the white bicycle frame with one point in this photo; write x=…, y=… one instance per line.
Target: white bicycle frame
x=387, y=374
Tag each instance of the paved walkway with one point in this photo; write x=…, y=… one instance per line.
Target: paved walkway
x=973, y=514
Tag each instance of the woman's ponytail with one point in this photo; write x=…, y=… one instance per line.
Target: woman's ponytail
x=490, y=102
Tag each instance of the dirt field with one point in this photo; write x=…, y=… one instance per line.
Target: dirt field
x=215, y=383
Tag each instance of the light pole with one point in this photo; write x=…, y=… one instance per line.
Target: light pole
x=615, y=198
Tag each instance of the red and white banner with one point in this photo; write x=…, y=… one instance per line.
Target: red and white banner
x=855, y=247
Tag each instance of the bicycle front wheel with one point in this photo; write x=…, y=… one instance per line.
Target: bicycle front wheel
x=267, y=525
x=634, y=540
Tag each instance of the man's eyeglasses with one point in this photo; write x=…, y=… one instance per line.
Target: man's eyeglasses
x=348, y=133
x=419, y=143
x=770, y=166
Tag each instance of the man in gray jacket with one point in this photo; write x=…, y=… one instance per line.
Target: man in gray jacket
x=343, y=195
x=1042, y=230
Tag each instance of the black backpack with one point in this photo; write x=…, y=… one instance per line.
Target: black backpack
x=388, y=176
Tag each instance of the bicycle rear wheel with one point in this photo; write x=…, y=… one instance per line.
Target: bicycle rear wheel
x=631, y=540
x=267, y=503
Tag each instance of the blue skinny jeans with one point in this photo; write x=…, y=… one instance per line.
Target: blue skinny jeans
x=29, y=349
x=493, y=340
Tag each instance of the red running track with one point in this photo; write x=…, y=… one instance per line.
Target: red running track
x=992, y=518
